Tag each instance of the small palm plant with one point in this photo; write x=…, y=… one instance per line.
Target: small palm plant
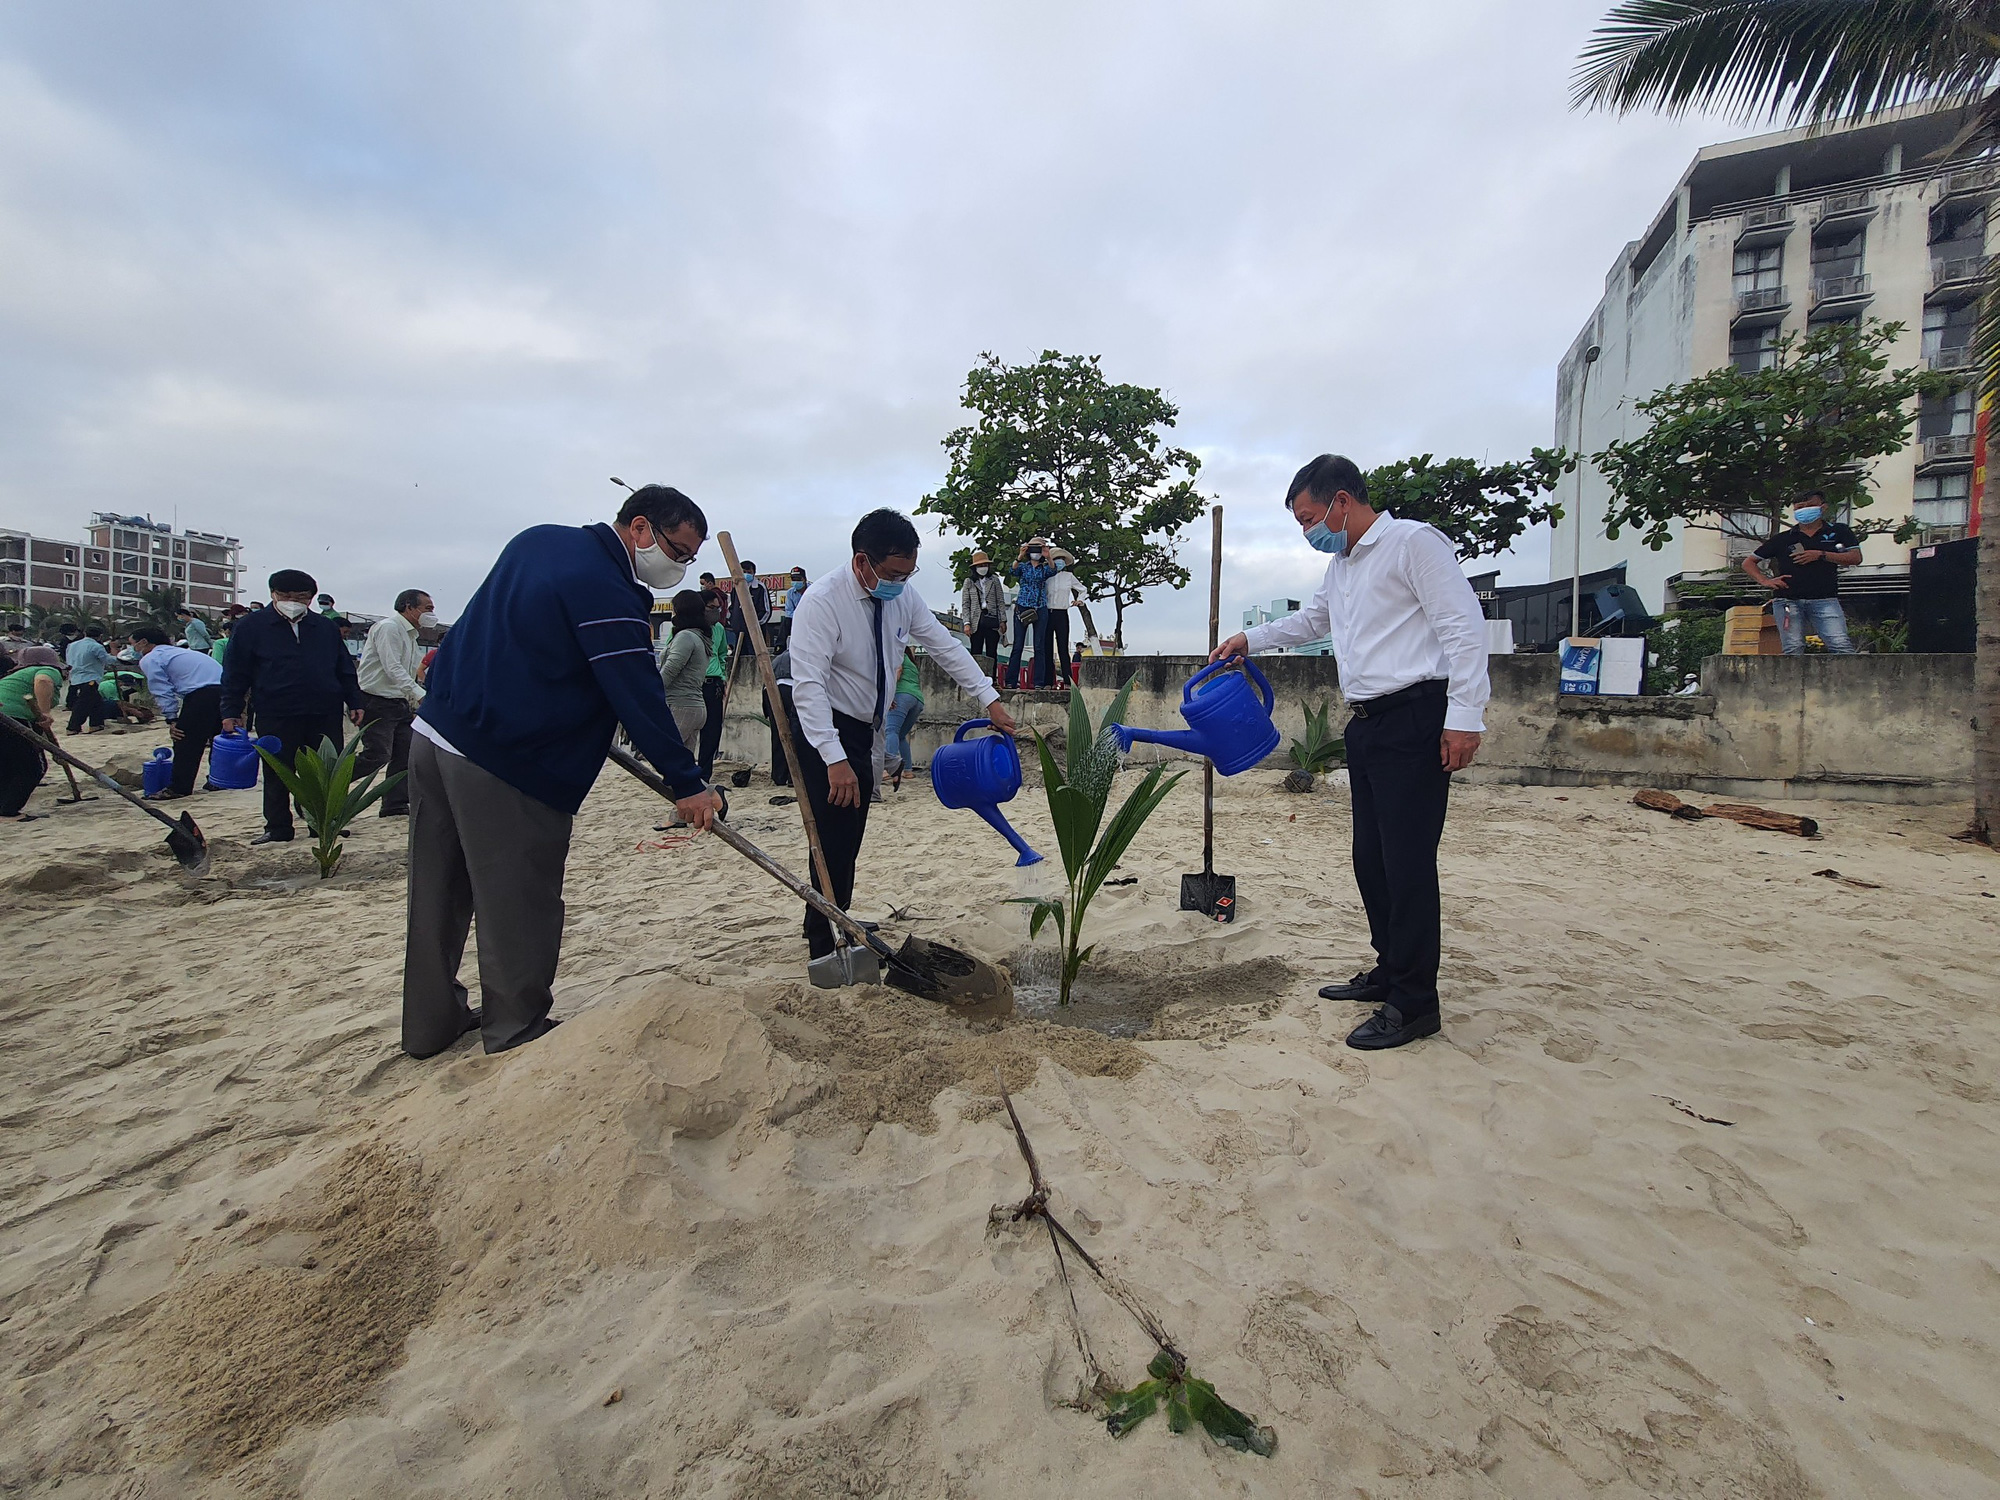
x=1078, y=793
x=1320, y=749
x=323, y=784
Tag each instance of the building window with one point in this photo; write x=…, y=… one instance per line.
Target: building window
x=1946, y=416
x=128, y=585
x=128, y=562
x=1958, y=230
x=159, y=568
x=180, y=549
x=69, y=554
x=1948, y=327
x=1838, y=254
x=1753, y=349
x=1760, y=268
x=1943, y=499
x=69, y=579
x=97, y=559
x=180, y=570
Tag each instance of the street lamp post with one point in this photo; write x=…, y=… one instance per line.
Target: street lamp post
x=1576, y=552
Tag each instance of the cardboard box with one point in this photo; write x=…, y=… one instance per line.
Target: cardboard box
x=1621, y=666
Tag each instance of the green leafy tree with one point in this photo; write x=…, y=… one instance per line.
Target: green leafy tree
x=1817, y=60
x=1061, y=452
x=1483, y=508
x=1078, y=792
x=1730, y=450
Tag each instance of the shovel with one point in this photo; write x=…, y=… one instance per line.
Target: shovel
x=933, y=971
x=1211, y=894
x=183, y=837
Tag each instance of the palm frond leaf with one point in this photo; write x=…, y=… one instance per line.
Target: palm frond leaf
x=1808, y=60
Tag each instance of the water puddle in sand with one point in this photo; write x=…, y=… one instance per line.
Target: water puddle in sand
x=1110, y=1011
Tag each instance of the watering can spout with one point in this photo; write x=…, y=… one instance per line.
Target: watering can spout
x=1178, y=739
x=1006, y=831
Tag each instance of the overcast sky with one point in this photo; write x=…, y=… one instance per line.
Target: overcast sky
x=375, y=285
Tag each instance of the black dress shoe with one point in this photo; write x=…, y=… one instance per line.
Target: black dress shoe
x=395, y=812
x=1387, y=1028
x=1360, y=987
x=268, y=837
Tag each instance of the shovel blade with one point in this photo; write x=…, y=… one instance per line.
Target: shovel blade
x=938, y=971
x=1210, y=894
x=189, y=848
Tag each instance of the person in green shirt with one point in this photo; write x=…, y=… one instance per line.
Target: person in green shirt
x=711, y=686
x=901, y=721
x=27, y=696
x=221, y=640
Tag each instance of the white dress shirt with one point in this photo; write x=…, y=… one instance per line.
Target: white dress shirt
x=390, y=659
x=834, y=663
x=1399, y=612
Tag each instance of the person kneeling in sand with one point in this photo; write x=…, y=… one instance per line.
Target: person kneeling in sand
x=553, y=653
x=1411, y=644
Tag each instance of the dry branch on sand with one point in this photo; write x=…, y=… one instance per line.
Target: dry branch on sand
x=1737, y=812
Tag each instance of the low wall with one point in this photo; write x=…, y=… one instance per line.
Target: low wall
x=1875, y=728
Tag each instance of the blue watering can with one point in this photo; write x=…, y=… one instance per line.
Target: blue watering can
x=232, y=758
x=981, y=774
x=1226, y=723
x=157, y=774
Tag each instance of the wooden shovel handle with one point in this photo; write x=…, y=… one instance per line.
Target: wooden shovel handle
x=1214, y=634
x=754, y=630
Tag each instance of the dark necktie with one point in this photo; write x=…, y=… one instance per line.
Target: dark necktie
x=881, y=672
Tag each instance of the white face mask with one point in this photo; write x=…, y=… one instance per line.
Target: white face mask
x=427, y=621
x=656, y=569
x=981, y=569
x=291, y=609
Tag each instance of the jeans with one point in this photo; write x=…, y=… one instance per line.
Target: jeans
x=1026, y=621
x=897, y=726
x=1798, y=618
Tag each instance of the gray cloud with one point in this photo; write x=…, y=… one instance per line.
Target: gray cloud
x=374, y=286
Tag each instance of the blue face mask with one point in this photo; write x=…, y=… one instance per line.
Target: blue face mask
x=1805, y=515
x=1320, y=539
x=885, y=590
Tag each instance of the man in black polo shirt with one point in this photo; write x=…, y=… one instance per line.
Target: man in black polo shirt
x=1804, y=576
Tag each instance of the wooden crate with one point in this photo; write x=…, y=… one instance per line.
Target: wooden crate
x=1748, y=630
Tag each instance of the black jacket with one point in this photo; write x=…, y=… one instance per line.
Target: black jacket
x=292, y=673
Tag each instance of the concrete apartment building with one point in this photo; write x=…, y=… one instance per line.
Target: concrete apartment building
x=36, y=570
x=1774, y=235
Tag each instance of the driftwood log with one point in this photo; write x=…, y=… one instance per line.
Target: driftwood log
x=1737, y=812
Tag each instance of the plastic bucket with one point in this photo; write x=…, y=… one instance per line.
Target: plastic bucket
x=233, y=759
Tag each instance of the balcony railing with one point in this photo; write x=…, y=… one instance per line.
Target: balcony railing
x=1839, y=289
x=1957, y=270
x=1845, y=205
x=1954, y=448
x=1957, y=358
x=1967, y=181
x=1763, y=300
x=1765, y=224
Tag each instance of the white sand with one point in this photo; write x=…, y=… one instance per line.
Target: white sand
x=246, y=1248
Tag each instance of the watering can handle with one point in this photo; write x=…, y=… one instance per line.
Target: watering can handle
x=971, y=724
x=1249, y=668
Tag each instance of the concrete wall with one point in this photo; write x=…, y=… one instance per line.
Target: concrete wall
x=1873, y=728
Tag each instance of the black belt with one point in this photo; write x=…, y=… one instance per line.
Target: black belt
x=1430, y=687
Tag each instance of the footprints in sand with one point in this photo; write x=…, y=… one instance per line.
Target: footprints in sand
x=1738, y=1197
x=1305, y=1342
x=1619, y=1410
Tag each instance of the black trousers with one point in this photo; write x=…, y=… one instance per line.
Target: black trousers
x=385, y=741
x=200, y=722
x=711, y=729
x=1058, y=652
x=293, y=731
x=21, y=767
x=840, y=828
x=781, y=772
x=1399, y=789
x=985, y=639
x=87, y=705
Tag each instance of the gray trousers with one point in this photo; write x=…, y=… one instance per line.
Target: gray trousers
x=479, y=848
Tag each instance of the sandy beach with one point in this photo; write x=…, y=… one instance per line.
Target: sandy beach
x=1696, y=1194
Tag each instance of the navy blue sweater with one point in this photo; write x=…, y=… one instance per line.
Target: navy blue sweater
x=292, y=674
x=551, y=655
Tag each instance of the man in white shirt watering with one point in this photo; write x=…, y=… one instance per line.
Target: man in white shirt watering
x=1411, y=644
x=847, y=646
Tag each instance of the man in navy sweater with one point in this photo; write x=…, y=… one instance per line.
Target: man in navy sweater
x=293, y=667
x=552, y=654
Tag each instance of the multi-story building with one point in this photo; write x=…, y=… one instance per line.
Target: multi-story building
x=1257, y=614
x=1772, y=236
x=36, y=570
x=125, y=555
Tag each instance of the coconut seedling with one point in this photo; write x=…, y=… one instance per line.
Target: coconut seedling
x=322, y=782
x=1078, y=792
x=1320, y=749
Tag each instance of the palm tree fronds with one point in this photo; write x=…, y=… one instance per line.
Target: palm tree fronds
x=1812, y=59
